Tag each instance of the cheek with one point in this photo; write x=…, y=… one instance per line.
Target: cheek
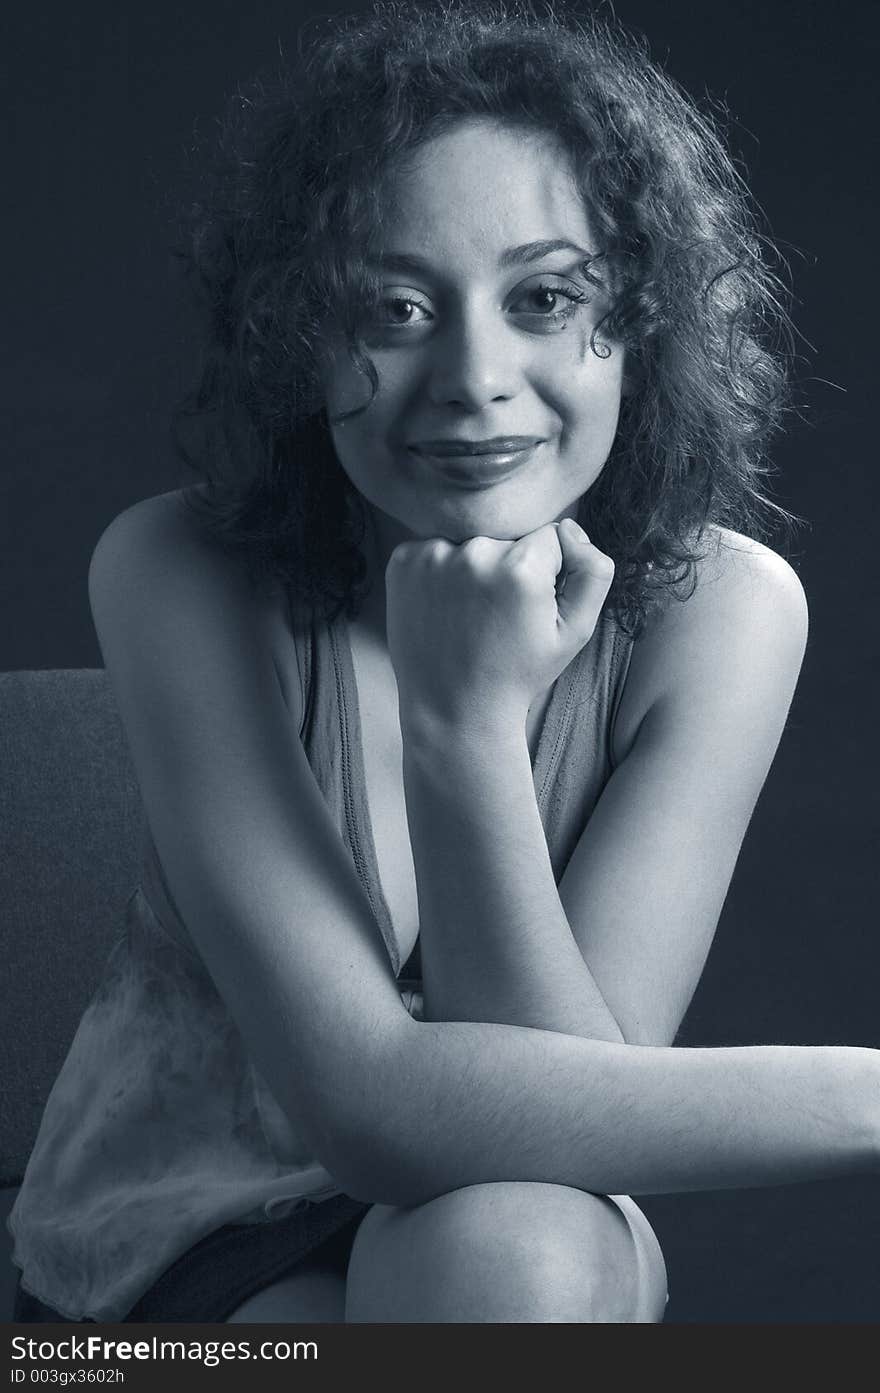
x=347, y=389
x=354, y=444
x=589, y=416
x=361, y=440
x=588, y=403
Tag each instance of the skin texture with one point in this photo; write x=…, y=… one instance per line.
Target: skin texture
x=541, y=1080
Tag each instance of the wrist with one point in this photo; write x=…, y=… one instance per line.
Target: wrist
x=498, y=726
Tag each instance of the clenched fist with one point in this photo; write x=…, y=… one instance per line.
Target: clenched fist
x=487, y=624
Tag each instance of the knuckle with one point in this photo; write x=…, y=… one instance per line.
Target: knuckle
x=475, y=546
x=435, y=549
x=477, y=552
x=528, y=574
x=520, y=559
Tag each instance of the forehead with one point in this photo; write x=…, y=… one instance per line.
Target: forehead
x=481, y=187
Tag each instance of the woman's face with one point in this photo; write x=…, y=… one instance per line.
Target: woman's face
x=493, y=415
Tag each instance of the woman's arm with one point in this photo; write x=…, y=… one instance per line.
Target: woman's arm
x=495, y=941
x=463, y=1104
x=641, y=896
x=397, y=1110
x=646, y=884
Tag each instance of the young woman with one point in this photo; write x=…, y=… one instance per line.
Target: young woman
x=450, y=691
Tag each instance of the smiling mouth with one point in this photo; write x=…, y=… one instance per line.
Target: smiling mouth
x=477, y=463
x=449, y=446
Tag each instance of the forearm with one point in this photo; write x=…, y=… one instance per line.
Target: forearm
x=470, y=1104
x=496, y=943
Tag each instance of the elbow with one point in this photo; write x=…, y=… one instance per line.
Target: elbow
x=369, y=1139
x=379, y=1162
x=378, y=1176
x=382, y=1181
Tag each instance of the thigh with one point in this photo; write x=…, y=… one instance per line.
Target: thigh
x=512, y=1251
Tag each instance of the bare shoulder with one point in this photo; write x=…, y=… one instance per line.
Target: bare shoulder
x=155, y=556
x=745, y=622
x=734, y=563
x=156, y=536
x=741, y=586
x=162, y=534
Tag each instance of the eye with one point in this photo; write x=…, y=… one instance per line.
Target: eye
x=399, y=311
x=549, y=305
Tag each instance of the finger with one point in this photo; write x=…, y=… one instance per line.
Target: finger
x=483, y=551
x=539, y=549
x=588, y=576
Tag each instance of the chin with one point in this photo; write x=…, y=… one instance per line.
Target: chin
x=459, y=523
x=458, y=530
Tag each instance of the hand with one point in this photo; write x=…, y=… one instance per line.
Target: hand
x=490, y=623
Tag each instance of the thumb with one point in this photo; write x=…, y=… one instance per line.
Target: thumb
x=588, y=574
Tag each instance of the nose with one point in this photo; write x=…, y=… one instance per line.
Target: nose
x=472, y=365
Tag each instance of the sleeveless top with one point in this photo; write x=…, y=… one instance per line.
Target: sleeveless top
x=159, y=1129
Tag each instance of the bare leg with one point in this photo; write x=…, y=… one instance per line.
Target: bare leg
x=509, y=1251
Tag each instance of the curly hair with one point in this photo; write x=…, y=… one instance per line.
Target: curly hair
x=276, y=248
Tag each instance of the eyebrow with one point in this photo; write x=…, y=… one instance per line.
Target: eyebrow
x=522, y=255
x=534, y=251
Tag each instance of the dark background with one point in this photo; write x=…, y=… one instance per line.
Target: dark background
x=105, y=100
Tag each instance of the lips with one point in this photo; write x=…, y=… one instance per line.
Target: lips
x=477, y=464
x=450, y=447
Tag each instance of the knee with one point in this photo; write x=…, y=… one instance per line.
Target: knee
x=517, y=1252
x=563, y=1254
